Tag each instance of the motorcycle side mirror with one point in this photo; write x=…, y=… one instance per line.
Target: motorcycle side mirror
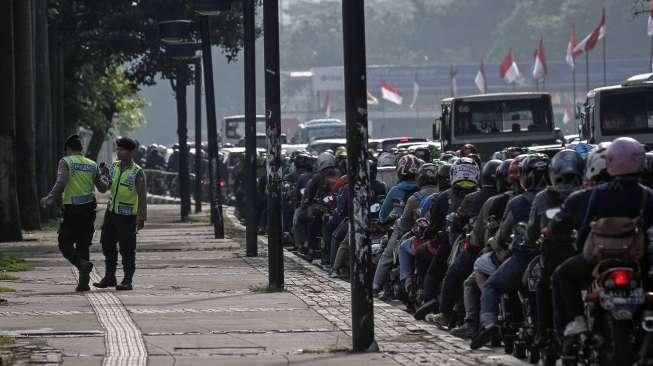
x=552, y=212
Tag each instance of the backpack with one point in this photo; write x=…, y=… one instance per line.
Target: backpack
x=615, y=237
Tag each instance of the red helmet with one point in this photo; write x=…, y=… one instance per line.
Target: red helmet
x=625, y=156
x=513, y=169
x=408, y=165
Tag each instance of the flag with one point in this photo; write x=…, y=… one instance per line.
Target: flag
x=509, y=70
x=390, y=93
x=649, y=30
x=415, y=92
x=480, y=80
x=326, y=105
x=588, y=43
x=539, y=68
x=571, y=52
x=452, y=77
x=371, y=99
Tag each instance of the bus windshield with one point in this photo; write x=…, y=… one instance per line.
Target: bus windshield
x=234, y=128
x=627, y=112
x=499, y=117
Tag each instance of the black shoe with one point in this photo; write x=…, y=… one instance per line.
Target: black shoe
x=465, y=331
x=485, y=336
x=104, y=283
x=84, y=277
x=125, y=286
x=426, y=308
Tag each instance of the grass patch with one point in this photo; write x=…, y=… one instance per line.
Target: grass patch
x=260, y=288
x=4, y=340
x=334, y=349
x=13, y=264
x=6, y=289
x=4, y=276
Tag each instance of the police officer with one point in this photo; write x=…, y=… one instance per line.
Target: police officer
x=76, y=176
x=126, y=213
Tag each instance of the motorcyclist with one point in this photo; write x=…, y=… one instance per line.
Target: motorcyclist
x=393, y=207
x=507, y=278
x=311, y=208
x=485, y=227
x=294, y=181
x=426, y=180
x=154, y=158
x=463, y=264
x=622, y=197
x=464, y=180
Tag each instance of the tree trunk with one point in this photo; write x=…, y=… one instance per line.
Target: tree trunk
x=43, y=111
x=94, y=146
x=9, y=213
x=25, y=143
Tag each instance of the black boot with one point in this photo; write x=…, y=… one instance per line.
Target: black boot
x=485, y=335
x=84, y=277
x=106, y=282
x=125, y=285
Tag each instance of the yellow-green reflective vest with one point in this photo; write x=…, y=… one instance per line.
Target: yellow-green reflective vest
x=81, y=175
x=124, y=197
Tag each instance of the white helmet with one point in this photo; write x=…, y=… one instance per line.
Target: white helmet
x=464, y=173
x=596, y=162
x=326, y=160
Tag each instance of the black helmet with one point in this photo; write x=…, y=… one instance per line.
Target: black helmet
x=533, y=171
x=427, y=175
x=503, y=181
x=566, y=171
x=444, y=176
x=423, y=153
x=489, y=173
x=304, y=161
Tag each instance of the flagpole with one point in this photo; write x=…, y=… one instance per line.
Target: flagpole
x=605, y=77
x=587, y=71
x=650, y=61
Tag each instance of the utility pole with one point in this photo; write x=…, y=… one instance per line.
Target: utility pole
x=273, y=127
x=199, y=171
x=362, y=302
x=212, y=130
x=182, y=133
x=249, y=12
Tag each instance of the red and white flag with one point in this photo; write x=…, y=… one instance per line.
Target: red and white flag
x=371, y=99
x=480, y=80
x=588, y=43
x=571, y=53
x=539, y=68
x=508, y=69
x=390, y=93
x=326, y=105
x=649, y=29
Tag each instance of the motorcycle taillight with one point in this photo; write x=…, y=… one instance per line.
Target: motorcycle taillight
x=621, y=277
x=221, y=183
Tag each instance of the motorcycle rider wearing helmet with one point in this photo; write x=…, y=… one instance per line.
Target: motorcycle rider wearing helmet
x=317, y=188
x=484, y=228
x=507, y=278
x=464, y=180
x=426, y=180
x=463, y=264
x=393, y=206
x=624, y=196
x=566, y=175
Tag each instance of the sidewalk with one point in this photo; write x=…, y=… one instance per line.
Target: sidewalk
x=198, y=301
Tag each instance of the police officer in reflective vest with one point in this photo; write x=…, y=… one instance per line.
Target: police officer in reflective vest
x=126, y=213
x=76, y=176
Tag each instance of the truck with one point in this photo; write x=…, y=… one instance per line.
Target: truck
x=492, y=122
x=619, y=110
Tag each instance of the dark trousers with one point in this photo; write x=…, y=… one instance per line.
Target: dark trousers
x=119, y=229
x=436, y=271
x=76, y=232
x=452, y=285
x=568, y=280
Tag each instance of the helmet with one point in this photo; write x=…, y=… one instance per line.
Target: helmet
x=596, y=167
x=423, y=153
x=444, y=177
x=408, y=166
x=625, y=156
x=325, y=160
x=447, y=156
x=513, y=152
x=533, y=171
x=341, y=151
x=489, y=173
x=464, y=173
x=581, y=148
x=503, y=181
x=467, y=150
x=304, y=161
x=427, y=175
x=566, y=171
x=513, y=169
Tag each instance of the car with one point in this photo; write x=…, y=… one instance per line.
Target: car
x=319, y=146
x=387, y=144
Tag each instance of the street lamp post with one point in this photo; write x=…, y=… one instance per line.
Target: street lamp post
x=199, y=169
x=250, y=126
x=362, y=302
x=273, y=127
